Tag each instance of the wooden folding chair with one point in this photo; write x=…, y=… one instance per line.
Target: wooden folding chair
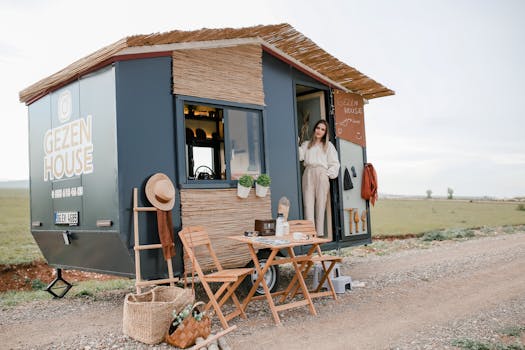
x=328, y=262
x=196, y=236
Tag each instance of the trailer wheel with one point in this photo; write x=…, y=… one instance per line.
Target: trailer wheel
x=271, y=276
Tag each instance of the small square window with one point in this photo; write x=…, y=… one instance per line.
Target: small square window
x=222, y=143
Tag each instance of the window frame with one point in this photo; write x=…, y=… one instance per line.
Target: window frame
x=180, y=140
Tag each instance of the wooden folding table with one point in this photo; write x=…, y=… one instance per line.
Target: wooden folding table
x=275, y=244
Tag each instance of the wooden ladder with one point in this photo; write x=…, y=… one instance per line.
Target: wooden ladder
x=139, y=282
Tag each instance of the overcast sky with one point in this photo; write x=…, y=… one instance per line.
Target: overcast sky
x=458, y=68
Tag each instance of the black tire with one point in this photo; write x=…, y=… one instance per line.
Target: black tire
x=272, y=275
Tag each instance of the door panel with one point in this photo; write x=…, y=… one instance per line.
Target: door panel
x=310, y=109
x=350, y=131
x=352, y=156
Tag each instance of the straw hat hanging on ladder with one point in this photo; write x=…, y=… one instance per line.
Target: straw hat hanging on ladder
x=160, y=192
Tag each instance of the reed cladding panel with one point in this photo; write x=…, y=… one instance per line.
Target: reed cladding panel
x=222, y=214
x=228, y=73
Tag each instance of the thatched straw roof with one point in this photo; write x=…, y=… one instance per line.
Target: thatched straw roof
x=281, y=40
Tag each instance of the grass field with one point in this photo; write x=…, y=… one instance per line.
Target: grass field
x=395, y=216
x=81, y=289
x=16, y=243
x=388, y=217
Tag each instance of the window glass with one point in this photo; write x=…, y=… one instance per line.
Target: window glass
x=207, y=151
x=244, y=135
x=204, y=142
x=204, y=157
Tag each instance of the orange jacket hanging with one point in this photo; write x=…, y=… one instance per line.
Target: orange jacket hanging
x=369, y=184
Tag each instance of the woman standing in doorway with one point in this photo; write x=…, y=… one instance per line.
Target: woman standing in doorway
x=321, y=164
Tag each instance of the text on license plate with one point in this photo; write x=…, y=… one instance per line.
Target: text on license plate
x=66, y=218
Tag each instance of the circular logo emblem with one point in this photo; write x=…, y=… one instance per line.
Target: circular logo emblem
x=64, y=106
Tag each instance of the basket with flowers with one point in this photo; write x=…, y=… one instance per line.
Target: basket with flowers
x=188, y=325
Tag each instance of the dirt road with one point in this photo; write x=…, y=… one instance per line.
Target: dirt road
x=413, y=299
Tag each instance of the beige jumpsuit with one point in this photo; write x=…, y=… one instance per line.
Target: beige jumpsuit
x=320, y=165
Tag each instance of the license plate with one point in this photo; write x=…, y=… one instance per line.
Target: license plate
x=66, y=218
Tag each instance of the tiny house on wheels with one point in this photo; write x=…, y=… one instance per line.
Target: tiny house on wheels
x=203, y=107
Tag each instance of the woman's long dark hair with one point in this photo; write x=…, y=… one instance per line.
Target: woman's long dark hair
x=325, y=138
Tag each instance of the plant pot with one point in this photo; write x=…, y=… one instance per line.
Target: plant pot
x=243, y=192
x=260, y=191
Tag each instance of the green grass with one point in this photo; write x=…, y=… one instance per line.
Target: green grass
x=507, y=339
x=447, y=234
x=395, y=216
x=469, y=344
x=15, y=297
x=513, y=331
x=91, y=289
x=16, y=242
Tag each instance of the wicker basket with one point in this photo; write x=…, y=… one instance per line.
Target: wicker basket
x=147, y=316
x=189, y=330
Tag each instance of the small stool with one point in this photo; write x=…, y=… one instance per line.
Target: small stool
x=342, y=283
x=318, y=273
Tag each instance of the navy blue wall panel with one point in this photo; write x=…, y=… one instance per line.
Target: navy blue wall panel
x=91, y=189
x=146, y=145
x=301, y=78
x=281, y=133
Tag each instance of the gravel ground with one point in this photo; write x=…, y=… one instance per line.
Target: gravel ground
x=483, y=326
x=54, y=324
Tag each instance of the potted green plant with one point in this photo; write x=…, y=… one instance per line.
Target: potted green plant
x=262, y=184
x=244, y=186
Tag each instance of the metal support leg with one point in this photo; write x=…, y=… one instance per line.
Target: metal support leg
x=66, y=287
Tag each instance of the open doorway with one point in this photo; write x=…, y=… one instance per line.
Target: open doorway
x=311, y=107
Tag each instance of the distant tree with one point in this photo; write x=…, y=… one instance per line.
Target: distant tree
x=450, y=193
x=429, y=194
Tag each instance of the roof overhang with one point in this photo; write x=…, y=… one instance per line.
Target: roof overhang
x=281, y=41
x=213, y=44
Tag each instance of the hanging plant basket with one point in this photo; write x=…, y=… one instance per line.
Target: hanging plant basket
x=244, y=186
x=261, y=191
x=262, y=184
x=243, y=192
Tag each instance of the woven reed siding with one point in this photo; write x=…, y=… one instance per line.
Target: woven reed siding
x=229, y=74
x=223, y=214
